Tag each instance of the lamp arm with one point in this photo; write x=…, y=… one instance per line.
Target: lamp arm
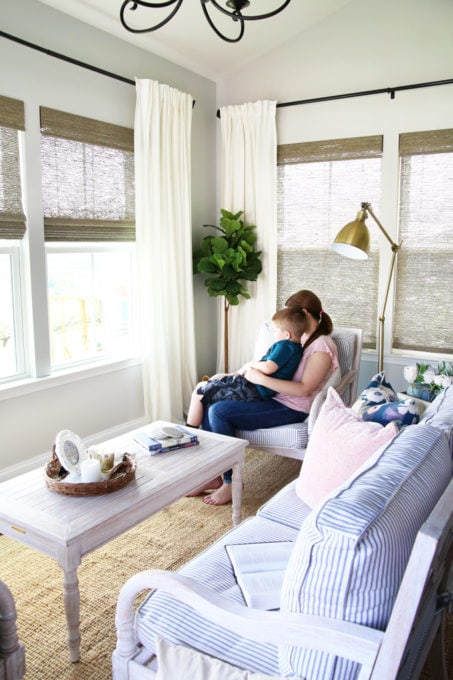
x=367, y=207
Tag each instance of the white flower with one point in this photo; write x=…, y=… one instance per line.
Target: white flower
x=445, y=380
x=410, y=373
x=429, y=376
x=439, y=380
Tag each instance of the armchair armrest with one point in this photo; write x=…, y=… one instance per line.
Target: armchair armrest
x=349, y=640
x=345, y=385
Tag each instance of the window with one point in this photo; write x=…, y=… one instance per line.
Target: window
x=424, y=294
x=12, y=230
x=88, y=201
x=321, y=186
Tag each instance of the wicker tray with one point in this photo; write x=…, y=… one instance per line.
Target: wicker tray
x=119, y=477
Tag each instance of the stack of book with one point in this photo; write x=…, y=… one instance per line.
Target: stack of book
x=169, y=439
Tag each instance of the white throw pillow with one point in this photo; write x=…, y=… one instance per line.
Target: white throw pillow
x=176, y=662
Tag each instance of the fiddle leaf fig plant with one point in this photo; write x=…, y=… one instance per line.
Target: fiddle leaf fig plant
x=228, y=261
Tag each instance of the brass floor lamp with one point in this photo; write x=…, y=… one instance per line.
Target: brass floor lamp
x=354, y=241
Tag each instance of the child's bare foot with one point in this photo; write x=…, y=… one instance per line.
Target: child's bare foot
x=213, y=484
x=221, y=496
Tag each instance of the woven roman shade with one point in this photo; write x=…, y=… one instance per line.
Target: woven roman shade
x=12, y=218
x=424, y=291
x=320, y=186
x=330, y=150
x=88, y=178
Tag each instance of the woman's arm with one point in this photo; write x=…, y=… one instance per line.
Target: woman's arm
x=315, y=374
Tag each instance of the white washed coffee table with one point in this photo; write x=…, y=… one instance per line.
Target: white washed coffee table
x=67, y=528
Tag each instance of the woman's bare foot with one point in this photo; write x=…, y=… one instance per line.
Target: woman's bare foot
x=213, y=484
x=221, y=496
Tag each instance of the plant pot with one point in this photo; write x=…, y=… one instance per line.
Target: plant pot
x=421, y=391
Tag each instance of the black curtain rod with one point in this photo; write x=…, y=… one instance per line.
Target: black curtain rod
x=63, y=57
x=384, y=90
x=70, y=60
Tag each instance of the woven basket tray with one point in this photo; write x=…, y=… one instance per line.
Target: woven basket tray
x=119, y=476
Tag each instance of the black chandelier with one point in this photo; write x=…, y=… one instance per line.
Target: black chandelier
x=234, y=12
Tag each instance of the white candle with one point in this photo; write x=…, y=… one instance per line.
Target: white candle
x=90, y=471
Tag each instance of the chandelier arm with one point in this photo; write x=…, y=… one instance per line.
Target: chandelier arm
x=243, y=17
x=142, y=3
x=216, y=30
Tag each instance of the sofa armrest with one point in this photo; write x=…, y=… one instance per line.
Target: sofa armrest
x=349, y=640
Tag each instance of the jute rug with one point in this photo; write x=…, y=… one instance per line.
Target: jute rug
x=165, y=541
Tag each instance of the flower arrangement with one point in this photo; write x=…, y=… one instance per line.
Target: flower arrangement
x=425, y=382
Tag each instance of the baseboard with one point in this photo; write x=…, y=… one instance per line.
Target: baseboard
x=43, y=458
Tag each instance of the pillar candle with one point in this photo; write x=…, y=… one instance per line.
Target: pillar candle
x=90, y=471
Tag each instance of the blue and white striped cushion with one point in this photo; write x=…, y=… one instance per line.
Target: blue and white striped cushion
x=294, y=436
x=352, y=550
x=345, y=342
x=286, y=508
x=162, y=616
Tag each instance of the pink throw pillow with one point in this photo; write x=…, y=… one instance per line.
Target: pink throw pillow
x=339, y=444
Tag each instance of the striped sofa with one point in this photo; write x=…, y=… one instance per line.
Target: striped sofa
x=360, y=574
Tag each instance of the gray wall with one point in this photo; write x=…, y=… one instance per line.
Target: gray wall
x=102, y=400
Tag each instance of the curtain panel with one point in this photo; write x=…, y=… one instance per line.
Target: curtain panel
x=249, y=183
x=163, y=122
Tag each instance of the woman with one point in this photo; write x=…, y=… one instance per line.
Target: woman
x=294, y=397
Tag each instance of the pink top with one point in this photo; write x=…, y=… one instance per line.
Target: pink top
x=322, y=344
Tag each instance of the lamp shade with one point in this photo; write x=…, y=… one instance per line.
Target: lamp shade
x=354, y=239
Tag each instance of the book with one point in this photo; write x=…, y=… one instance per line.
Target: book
x=160, y=442
x=259, y=569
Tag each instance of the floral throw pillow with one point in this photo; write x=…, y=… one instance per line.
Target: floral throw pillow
x=378, y=391
x=404, y=412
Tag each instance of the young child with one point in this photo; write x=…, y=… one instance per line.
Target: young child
x=280, y=361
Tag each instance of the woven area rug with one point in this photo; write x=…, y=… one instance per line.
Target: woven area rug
x=165, y=541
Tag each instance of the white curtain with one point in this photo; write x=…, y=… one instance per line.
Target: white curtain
x=163, y=119
x=249, y=183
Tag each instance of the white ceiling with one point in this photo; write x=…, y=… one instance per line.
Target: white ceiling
x=189, y=41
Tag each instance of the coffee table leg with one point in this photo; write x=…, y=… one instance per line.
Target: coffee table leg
x=236, y=491
x=71, y=596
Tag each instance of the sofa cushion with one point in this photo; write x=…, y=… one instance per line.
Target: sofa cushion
x=351, y=552
x=285, y=507
x=339, y=444
x=378, y=391
x=163, y=616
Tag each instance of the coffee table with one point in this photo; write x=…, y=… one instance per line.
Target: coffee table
x=67, y=528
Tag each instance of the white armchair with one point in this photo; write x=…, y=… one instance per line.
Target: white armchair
x=291, y=440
